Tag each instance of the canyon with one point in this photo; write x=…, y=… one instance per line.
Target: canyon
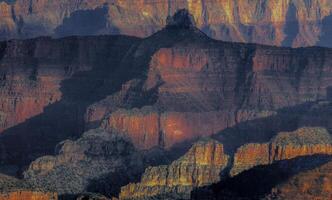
x=199, y=166
x=171, y=115
x=275, y=22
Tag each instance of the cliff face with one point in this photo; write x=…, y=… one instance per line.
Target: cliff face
x=200, y=166
x=46, y=86
x=171, y=87
x=205, y=165
x=304, y=177
x=302, y=142
x=33, y=71
x=200, y=87
x=285, y=22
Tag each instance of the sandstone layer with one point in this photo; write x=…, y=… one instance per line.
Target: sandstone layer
x=199, y=87
x=200, y=166
x=166, y=89
x=286, y=145
x=275, y=22
x=180, y=178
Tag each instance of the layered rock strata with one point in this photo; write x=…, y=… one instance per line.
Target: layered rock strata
x=201, y=86
x=178, y=179
x=200, y=166
x=275, y=22
x=284, y=146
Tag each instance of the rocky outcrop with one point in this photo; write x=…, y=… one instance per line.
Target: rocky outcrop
x=285, y=22
x=206, y=163
x=16, y=189
x=201, y=86
x=171, y=87
x=97, y=162
x=286, y=145
x=28, y=195
x=46, y=86
x=200, y=166
x=312, y=184
x=304, y=177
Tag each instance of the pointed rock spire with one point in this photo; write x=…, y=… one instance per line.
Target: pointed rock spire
x=181, y=19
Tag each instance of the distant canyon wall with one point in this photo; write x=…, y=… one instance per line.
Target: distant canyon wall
x=276, y=22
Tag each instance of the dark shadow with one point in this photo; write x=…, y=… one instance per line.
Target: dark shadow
x=259, y=181
x=114, y=60
x=64, y=119
x=329, y=93
x=3, y=46
x=325, y=38
x=110, y=184
x=85, y=22
x=291, y=28
x=262, y=129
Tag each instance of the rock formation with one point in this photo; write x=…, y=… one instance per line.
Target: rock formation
x=97, y=162
x=200, y=166
x=286, y=145
x=305, y=177
x=178, y=179
x=46, y=86
x=169, y=88
x=28, y=195
x=175, y=86
x=275, y=22
x=15, y=189
x=201, y=86
x=311, y=184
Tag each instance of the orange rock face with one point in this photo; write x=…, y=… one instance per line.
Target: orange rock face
x=198, y=167
x=302, y=142
x=148, y=128
x=203, y=87
x=28, y=195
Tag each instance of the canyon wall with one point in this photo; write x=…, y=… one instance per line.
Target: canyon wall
x=169, y=88
x=46, y=86
x=181, y=177
x=284, y=146
x=200, y=166
x=201, y=86
x=276, y=22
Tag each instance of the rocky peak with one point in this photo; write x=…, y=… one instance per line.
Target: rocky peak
x=181, y=19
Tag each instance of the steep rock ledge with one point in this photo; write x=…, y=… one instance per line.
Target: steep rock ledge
x=200, y=166
x=286, y=145
x=205, y=163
